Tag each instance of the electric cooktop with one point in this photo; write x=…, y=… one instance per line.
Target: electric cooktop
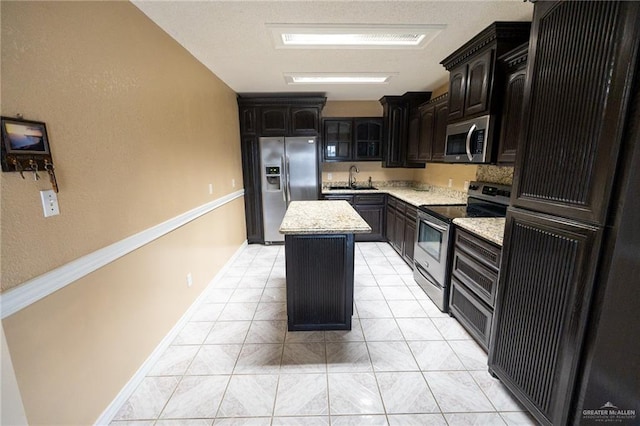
x=484, y=200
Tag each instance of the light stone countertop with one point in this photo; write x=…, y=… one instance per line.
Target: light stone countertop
x=489, y=228
x=322, y=217
x=410, y=195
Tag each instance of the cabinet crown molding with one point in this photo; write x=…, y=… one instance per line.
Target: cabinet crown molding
x=497, y=32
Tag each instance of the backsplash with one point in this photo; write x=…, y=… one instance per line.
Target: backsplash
x=495, y=174
x=375, y=183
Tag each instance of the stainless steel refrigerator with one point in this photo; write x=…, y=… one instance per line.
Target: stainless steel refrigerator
x=289, y=169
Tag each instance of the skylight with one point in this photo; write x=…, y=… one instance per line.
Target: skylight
x=352, y=36
x=291, y=39
x=338, y=78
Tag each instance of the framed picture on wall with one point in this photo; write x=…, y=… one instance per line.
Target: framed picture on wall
x=24, y=137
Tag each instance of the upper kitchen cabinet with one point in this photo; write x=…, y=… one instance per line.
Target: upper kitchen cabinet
x=280, y=115
x=368, y=139
x=515, y=66
x=273, y=120
x=475, y=82
x=264, y=115
x=576, y=91
x=432, y=131
x=337, y=139
x=401, y=127
x=352, y=139
x=305, y=121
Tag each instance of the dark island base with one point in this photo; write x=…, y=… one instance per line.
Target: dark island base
x=319, y=281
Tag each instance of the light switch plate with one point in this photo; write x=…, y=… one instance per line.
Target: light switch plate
x=49, y=203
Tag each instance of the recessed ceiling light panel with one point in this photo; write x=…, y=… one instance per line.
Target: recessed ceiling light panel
x=338, y=78
x=352, y=36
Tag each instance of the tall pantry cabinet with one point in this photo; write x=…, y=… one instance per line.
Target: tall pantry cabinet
x=570, y=218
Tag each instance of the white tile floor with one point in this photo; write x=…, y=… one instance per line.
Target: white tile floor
x=403, y=363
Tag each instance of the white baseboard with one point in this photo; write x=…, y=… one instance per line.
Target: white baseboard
x=42, y=286
x=109, y=413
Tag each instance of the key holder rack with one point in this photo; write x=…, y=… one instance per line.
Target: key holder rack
x=25, y=148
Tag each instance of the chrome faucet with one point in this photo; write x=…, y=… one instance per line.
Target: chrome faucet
x=352, y=178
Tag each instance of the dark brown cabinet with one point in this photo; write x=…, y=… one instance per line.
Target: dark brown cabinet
x=270, y=116
x=409, y=238
x=474, y=282
x=371, y=207
x=457, y=91
x=545, y=286
x=573, y=208
x=401, y=127
x=476, y=101
x=432, y=131
x=273, y=121
x=352, y=139
x=401, y=227
x=304, y=121
x=248, y=121
x=475, y=82
x=337, y=141
x=368, y=139
x=515, y=65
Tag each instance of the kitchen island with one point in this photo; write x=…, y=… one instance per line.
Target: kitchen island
x=319, y=255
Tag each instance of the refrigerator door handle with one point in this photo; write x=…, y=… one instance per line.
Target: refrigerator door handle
x=282, y=181
x=287, y=183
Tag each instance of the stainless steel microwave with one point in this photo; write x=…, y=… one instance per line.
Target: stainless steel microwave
x=469, y=141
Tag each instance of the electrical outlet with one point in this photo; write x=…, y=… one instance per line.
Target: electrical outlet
x=49, y=203
x=329, y=176
x=233, y=183
x=210, y=188
x=450, y=182
x=189, y=280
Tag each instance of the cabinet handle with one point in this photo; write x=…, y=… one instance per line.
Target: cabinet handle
x=468, y=145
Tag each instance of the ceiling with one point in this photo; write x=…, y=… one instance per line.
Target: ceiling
x=231, y=38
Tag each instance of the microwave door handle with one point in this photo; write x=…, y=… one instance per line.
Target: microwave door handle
x=468, y=144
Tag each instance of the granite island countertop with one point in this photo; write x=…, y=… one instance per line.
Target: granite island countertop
x=322, y=217
x=489, y=228
x=412, y=196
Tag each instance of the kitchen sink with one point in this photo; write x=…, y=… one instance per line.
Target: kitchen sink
x=353, y=188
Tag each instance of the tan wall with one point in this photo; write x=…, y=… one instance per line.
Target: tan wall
x=440, y=90
x=439, y=175
x=138, y=129
x=352, y=109
x=74, y=350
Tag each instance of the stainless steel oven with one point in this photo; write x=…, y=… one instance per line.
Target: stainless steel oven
x=434, y=236
x=430, y=257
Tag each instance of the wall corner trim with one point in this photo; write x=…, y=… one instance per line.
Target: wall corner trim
x=38, y=288
x=110, y=412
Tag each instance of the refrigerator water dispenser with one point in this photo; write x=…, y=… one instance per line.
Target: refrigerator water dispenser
x=272, y=174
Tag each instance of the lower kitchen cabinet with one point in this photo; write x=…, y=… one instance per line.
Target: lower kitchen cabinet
x=409, y=233
x=474, y=282
x=371, y=207
x=401, y=227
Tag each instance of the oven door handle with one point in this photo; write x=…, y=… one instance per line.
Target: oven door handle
x=433, y=225
x=468, y=142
